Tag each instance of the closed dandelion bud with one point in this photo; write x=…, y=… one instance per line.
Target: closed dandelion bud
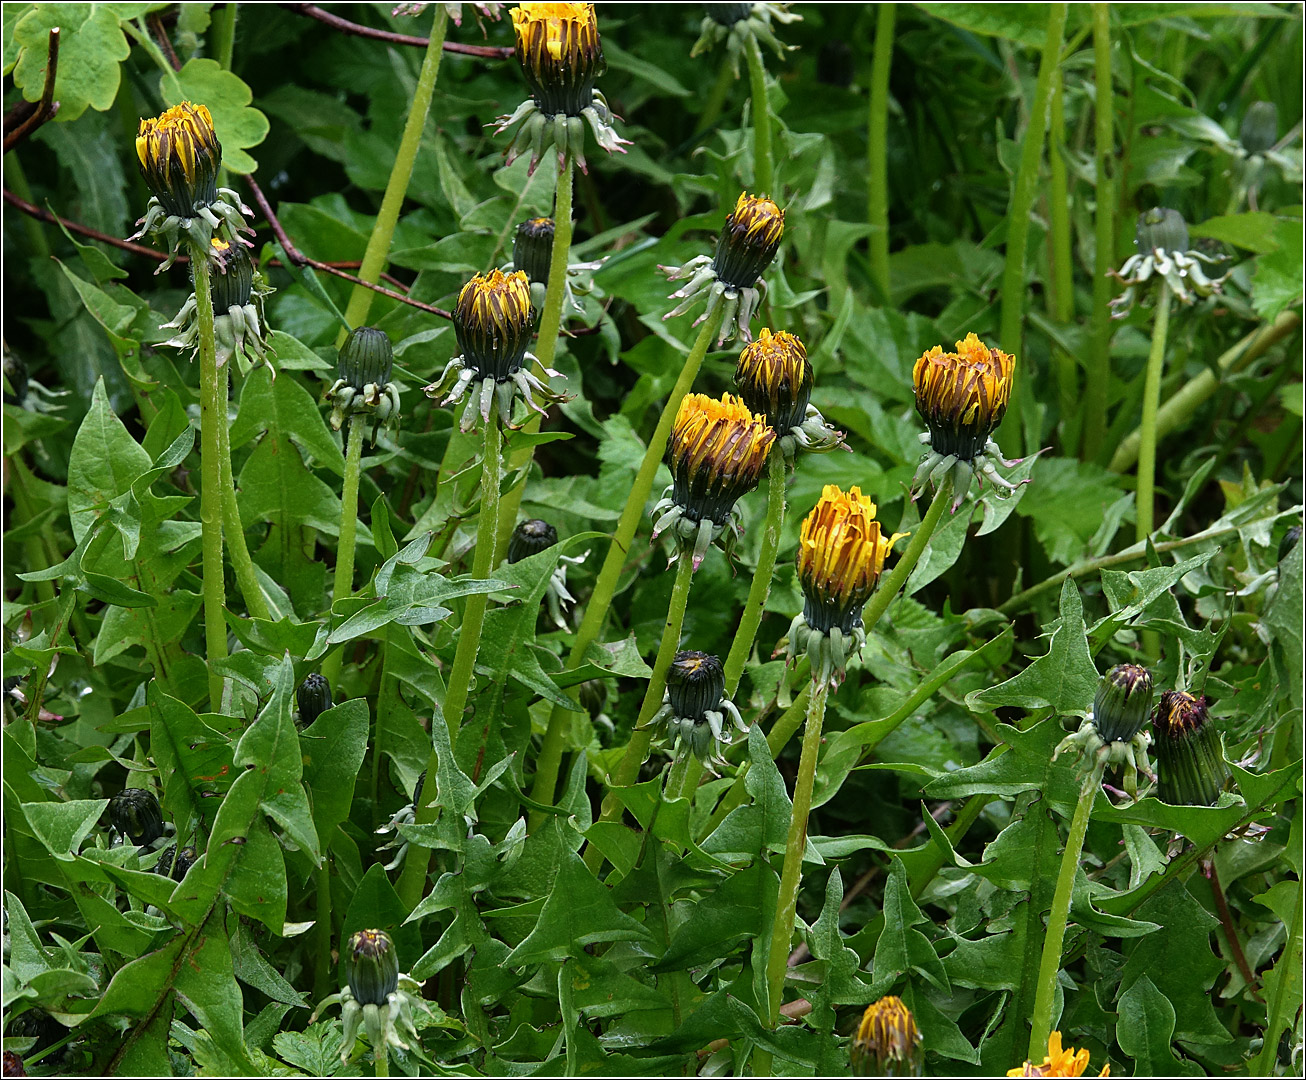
x=748, y=241
x=841, y=554
x=371, y=967
x=231, y=277
x=887, y=1042
x=179, y=155
x=1260, y=127
x=366, y=358
x=774, y=378
x=717, y=452
x=174, y=864
x=1160, y=229
x=1289, y=541
x=313, y=697
x=530, y=538
x=1190, y=765
x=728, y=14
x=493, y=320
x=560, y=54
x=532, y=249
x=963, y=396
x=135, y=815
x=1123, y=702
x=696, y=682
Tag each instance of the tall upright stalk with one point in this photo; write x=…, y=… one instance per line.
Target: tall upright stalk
x=1062, y=298
x=1145, y=511
x=546, y=346
x=642, y=735
x=378, y=244
x=877, y=151
x=234, y=532
x=213, y=411
x=763, y=167
x=343, y=583
x=1104, y=230
x=1023, y=194
x=1050, y=964
x=786, y=905
x=596, y=611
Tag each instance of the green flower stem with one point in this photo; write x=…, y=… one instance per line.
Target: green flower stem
x=224, y=35
x=596, y=611
x=1041, y=1023
x=763, y=170
x=67, y=597
x=213, y=412
x=413, y=878
x=1145, y=510
x=642, y=735
x=1018, y=213
x=1288, y=970
x=786, y=908
x=1098, y=375
x=469, y=633
x=322, y=951
x=877, y=155
x=546, y=346
x=255, y=602
x=684, y=782
x=382, y=1057
x=378, y=244
x=344, y=577
x=1062, y=298
x=1200, y=389
x=783, y=729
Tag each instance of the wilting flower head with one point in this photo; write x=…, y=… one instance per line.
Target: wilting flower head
x=560, y=55
x=1115, y=732
x=887, y=1042
x=174, y=864
x=493, y=320
x=694, y=706
x=746, y=247
x=313, y=697
x=1190, y=765
x=841, y=554
x=962, y=398
x=239, y=324
x=738, y=24
x=180, y=156
x=378, y=997
x=532, y=537
x=1162, y=241
x=717, y=451
x=1058, y=1062
x=363, y=387
x=774, y=378
x=135, y=815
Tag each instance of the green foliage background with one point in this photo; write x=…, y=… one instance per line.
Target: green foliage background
x=532, y=964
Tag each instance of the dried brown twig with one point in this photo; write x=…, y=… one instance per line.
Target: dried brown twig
x=29, y=119
x=493, y=52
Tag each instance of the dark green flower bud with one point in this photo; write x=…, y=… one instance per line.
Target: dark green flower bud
x=1161, y=229
x=1190, y=765
x=371, y=967
x=231, y=277
x=135, y=814
x=530, y=538
x=313, y=698
x=366, y=358
x=887, y=1042
x=696, y=682
x=174, y=865
x=1289, y=541
x=1260, y=127
x=1123, y=702
x=532, y=248
x=748, y=241
x=728, y=14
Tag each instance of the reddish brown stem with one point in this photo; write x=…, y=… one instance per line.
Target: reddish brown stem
x=1227, y=925
x=47, y=107
x=493, y=52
